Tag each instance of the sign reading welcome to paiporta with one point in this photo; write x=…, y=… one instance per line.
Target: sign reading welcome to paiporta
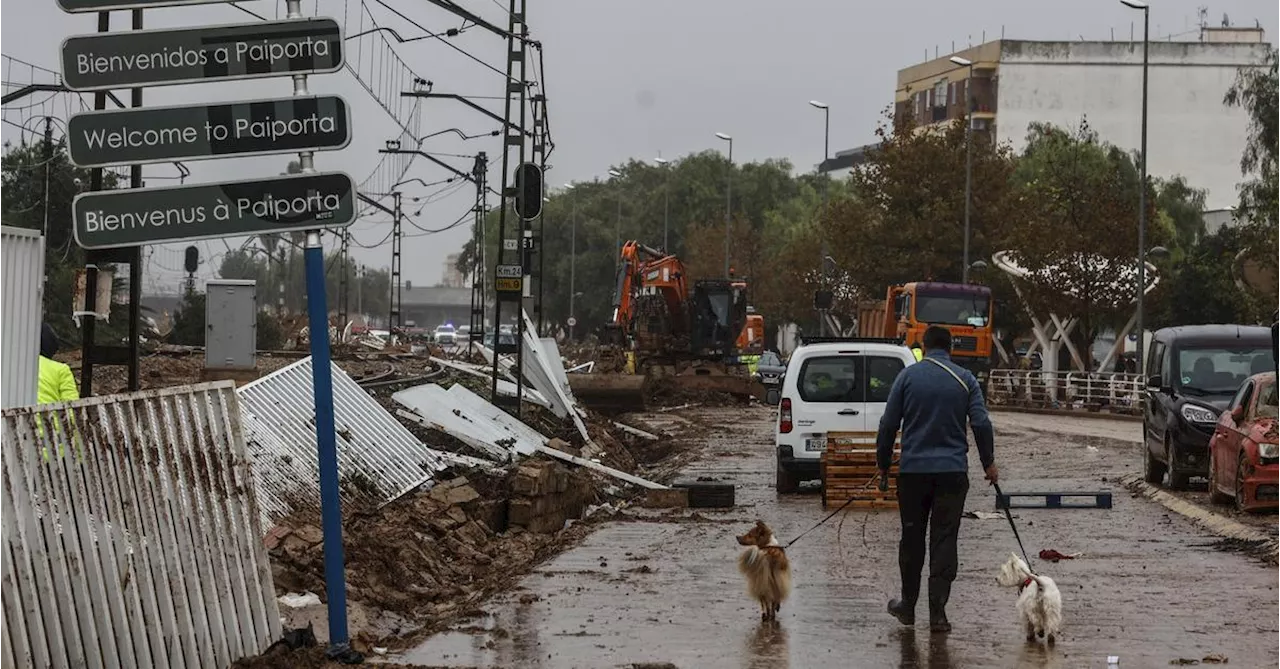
x=255, y=127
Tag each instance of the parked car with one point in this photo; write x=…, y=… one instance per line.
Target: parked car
x=769, y=371
x=446, y=334
x=506, y=338
x=831, y=387
x=1243, y=453
x=1192, y=373
x=463, y=333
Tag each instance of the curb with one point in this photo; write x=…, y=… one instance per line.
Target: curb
x=1068, y=413
x=1203, y=518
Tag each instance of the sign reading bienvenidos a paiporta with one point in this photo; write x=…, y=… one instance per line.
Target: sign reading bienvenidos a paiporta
x=136, y=217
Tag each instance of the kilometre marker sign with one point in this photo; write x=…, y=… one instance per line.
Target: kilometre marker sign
x=77, y=6
x=161, y=134
x=134, y=217
x=193, y=55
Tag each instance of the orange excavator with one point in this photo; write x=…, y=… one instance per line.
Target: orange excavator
x=690, y=333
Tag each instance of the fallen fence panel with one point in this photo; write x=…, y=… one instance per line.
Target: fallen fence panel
x=132, y=533
x=378, y=458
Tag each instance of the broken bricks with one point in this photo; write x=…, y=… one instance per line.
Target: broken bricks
x=454, y=492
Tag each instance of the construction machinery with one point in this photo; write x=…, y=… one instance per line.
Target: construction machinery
x=669, y=331
x=910, y=308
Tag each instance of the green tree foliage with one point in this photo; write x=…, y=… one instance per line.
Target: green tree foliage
x=189, y=321
x=369, y=289
x=1255, y=89
x=1200, y=289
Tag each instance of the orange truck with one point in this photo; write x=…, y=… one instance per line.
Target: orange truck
x=963, y=309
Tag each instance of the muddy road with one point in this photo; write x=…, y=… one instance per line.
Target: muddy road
x=662, y=588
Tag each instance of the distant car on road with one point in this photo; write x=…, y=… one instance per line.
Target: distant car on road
x=1244, y=459
x=769, y=371
x=446, y=334
x=463, y=333
x=1192, y=373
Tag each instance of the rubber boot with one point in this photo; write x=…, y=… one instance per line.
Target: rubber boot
x=904, y=612
x=939, y=593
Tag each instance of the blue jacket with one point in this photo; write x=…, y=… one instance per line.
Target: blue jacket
x=932, y=408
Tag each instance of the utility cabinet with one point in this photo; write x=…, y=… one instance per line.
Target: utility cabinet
x=231, y=324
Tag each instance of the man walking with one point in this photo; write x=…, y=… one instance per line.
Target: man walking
x=932, y=400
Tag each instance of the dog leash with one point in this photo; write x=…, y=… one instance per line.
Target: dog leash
x=1008, y=513
x=884, y=486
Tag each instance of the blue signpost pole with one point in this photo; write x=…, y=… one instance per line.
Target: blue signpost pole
x=327, y=447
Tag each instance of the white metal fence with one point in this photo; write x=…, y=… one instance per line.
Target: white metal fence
x=22, y=285
x=131, y=534
x=379, y=458
x=1114, y=392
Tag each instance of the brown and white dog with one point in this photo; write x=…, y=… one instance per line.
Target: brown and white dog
x=765, y=565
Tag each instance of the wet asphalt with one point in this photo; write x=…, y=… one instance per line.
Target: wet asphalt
x=1148, y=586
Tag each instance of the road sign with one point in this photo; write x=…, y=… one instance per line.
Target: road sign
x=134, y=217
x=510, y=271
x=193, y=55
x=508, y=285
x=253, y=127
x=510, y=244
x=572, y=321
x=78, y=6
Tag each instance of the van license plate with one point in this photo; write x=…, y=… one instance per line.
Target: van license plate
x=815, y=444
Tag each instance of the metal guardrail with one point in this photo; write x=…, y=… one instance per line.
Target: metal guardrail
x=1119, y=393
x=132, y=535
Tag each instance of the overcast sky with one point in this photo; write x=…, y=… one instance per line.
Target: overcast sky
x=623, y=79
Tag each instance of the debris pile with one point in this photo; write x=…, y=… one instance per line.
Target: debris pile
x=432, y=553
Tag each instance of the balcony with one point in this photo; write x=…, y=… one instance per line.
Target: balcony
x=983, y=94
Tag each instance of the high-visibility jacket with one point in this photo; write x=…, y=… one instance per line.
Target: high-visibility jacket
x=57, y=384
x=918, y=353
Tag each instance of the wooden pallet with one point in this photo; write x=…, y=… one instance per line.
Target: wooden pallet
x=849, y=469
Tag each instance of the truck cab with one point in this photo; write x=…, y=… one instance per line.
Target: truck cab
x=963, y=309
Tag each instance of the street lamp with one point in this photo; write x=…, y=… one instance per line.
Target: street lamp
x=1142, y=170
x=666, y=201
x=822, y=168
x=728, y=197
x=573, y=257
x=968, y=159
x=617, y=226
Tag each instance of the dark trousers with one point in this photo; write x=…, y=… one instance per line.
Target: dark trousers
x=932, y=502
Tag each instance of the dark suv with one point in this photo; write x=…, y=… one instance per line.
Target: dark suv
x=1192, y=373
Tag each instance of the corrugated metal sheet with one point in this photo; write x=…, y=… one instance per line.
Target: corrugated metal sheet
x=378, y=459
x=22, y=285
x=138, y=543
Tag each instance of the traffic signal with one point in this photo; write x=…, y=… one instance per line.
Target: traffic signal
x=528, y=191
x=191, y=262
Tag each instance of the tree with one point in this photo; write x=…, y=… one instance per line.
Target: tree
x=189, y=321
x=1077, y=236
x=1202, y=289
x=1255, y=89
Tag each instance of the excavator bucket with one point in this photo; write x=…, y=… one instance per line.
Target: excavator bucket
x=610, y=393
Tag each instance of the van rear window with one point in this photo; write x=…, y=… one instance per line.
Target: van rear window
x=848, y=378
x=831, y=379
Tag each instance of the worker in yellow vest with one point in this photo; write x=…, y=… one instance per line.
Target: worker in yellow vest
x=56, y=381
x=917, y=351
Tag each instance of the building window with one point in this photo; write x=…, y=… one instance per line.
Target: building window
x=940, y=94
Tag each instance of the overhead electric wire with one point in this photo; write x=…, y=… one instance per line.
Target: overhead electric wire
x=432, y=33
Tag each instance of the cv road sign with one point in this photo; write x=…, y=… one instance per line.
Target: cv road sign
x=160, y=134
x=192, y=55
x=77, y=6
x=134, y=217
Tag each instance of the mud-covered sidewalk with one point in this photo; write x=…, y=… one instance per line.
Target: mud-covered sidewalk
x=659, y=588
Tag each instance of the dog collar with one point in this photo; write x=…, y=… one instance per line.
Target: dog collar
x=1025, y=583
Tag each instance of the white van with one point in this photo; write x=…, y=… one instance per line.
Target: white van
x=831, y=386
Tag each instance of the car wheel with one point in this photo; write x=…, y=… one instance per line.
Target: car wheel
x=1239, y=483
x=1216, y=496
x=1152, y=469
x=786, y=482
x=1177, y=480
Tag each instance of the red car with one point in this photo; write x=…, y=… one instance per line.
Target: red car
x=1243, y=454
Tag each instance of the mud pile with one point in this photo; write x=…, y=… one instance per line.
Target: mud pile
x=434, y=553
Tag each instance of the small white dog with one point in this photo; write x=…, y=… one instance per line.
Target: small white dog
x=1039, y=602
